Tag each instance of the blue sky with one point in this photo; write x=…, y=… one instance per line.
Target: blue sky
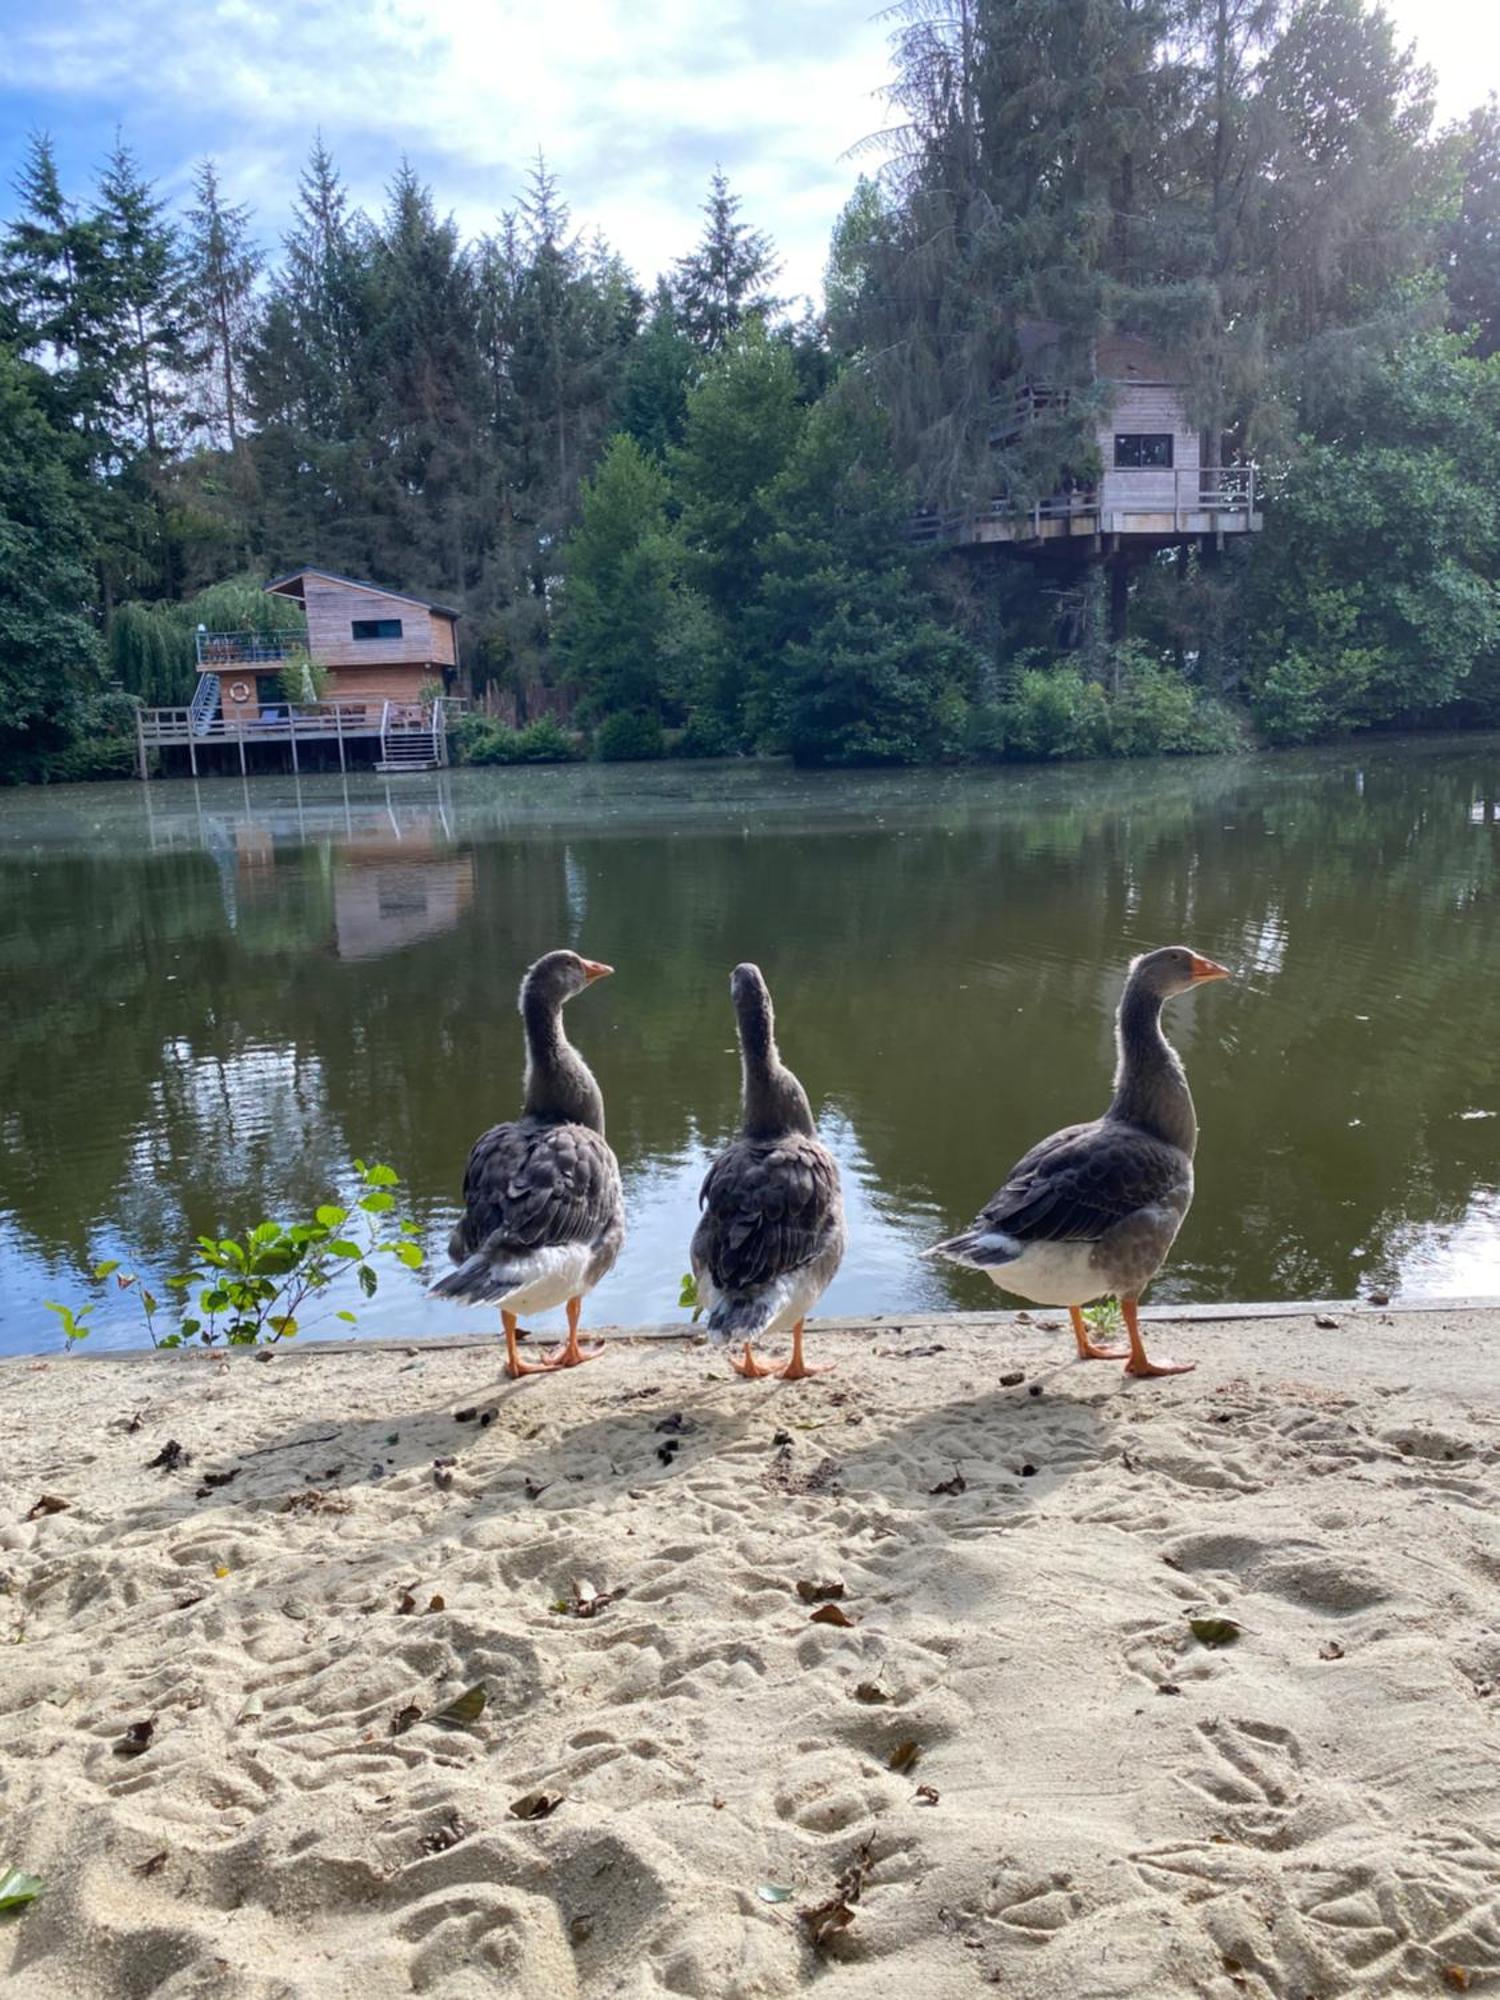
x=632, y=100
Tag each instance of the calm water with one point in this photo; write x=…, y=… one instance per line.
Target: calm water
x=211, y=997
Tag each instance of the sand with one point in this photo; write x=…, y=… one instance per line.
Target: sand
x=1115, y=1807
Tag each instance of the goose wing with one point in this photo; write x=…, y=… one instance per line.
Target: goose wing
x=1081, y=1182
x=769, y=1207
x=530, y=1185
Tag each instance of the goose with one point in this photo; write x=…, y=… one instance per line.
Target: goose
x=544, y=1215
x=1093, y=1210
x=771, y=1234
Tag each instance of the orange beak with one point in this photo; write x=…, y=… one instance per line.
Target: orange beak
x=594, y=970
x=1205, y=969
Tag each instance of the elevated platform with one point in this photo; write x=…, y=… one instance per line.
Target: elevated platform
x=405, y=736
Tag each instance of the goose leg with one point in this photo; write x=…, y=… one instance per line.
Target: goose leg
x=570, y=1354
x=1087, y=1350
x=749, y=1367
x=1138, y=1364
x=515, y=1367
x=797, y=1370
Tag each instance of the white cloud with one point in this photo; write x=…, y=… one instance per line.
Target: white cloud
x=631, y=104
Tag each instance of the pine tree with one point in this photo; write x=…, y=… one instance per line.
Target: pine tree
x=727, y=278
x=148, y=286
x=223, y=266
x=622, y=597
x=743, y=421
x=659, y=370
x=852, y=665
x=49, y=654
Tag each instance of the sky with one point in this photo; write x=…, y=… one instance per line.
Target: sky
x=633, y=101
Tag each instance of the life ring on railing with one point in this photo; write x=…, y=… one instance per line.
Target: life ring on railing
x=239, y=690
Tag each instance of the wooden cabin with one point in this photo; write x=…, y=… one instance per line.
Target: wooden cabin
x=375, y=645
x=390, y=661
x=1155, y=486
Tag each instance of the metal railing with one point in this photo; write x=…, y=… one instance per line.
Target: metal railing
x=248, y=649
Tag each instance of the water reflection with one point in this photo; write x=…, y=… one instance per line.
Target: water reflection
x=214, y=994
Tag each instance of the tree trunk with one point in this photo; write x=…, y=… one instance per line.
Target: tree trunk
x=1119, y=598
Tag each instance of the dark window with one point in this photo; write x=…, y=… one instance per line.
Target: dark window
x=268, y=691
x=1143, y=451
x=390, y=628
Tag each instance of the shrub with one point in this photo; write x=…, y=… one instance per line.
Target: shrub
x=628, y=738
x=479, y=739
x=252, y=1289
x=1055, y=714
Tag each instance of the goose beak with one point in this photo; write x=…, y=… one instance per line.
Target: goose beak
x=1205, y=969
x=592, y=970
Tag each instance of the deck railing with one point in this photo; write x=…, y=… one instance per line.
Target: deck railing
x=249, y=649
x=1222, y=491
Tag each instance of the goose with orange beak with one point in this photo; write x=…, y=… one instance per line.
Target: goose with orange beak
x=544, y=1214
x=1093, y=1210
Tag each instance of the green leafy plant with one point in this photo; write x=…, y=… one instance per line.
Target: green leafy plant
x=302, y=678
x=255, y=1289
x=73, y=1327
x=687, y=1295
x=1105, y=1317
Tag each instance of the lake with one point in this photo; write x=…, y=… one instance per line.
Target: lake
x=215, y=995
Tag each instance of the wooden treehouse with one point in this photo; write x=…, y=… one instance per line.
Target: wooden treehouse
x=1158, y=486
x=387, y=660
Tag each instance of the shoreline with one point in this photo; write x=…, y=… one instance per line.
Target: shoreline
x=361, y=1529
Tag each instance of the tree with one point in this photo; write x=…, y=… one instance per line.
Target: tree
x=1377, y=591
x=1471, y=244
x=743, y=420
x=223, y=266
x=148, y=292
x=622, y=603
x=49, y=654
x=727, y=278
x=852, y=665
x=659, y=370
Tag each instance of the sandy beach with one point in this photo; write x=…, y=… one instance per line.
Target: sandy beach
x=980, y=1747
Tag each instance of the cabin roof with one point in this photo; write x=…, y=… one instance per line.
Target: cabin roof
x=291, y=585
x=1118, y=357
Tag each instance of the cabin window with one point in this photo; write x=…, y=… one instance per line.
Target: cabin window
x=390, y=628
x=1143, y=451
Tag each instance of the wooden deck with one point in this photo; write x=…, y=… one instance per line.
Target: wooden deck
x=1194, y=502
x=411, y=736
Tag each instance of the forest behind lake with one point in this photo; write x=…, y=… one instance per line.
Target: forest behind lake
x=675, y=508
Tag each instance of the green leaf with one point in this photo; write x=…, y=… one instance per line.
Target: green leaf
x=232, y=1252
x=189, y=1327
x=17, y=1890
x=688, y=1292
x=330, y=1216
x=283, y=1326
x=1215, y=1631
x=342, y=1247
x=108, y=1268
x=378, y=1203
x=368, y=1280
x=148, y=1300
x=410, y=1228
x=410, y=1255
x=467, y=1707
x=265, y=1232
x=381, y=1177
x=349, y=1316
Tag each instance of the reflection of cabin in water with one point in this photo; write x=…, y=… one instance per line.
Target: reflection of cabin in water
x=1158, y=484
x=387, y=661
x=387, y=874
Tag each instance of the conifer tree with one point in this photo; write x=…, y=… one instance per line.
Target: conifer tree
x=727, y=278
x=223, y=267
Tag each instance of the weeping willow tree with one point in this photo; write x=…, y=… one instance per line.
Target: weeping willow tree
x=152, y=648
